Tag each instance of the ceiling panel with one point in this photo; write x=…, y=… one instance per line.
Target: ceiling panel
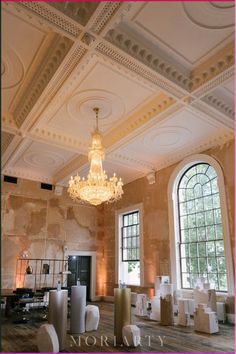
x=41, y=159
x=173, y=134
x=176, y=27
x=20, y=44
x=115, y=94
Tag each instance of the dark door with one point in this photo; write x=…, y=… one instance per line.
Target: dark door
x=80, y=269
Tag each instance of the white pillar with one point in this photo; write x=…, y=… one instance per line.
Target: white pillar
x=78, y=308
x=58, y=314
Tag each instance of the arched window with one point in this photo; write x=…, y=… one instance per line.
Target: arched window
x=200, y=242
x=201, y=246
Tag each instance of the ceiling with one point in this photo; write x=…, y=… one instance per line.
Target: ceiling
x=160, y=72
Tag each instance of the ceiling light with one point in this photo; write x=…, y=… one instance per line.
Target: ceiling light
x=97, y=188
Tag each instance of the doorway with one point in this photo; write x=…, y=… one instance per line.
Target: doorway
x=80, y=267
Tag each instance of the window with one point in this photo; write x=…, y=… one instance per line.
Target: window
x=129, y=236
x=198, y=223
x=201, y=246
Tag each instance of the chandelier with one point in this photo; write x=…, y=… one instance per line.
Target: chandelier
x=97, y=188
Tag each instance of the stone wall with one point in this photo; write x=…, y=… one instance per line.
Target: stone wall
x=155, y=219
x=41, y=223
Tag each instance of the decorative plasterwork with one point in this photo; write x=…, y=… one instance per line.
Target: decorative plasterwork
x=215, y=17
x=26, y=174
x=12, y=68
x=219, y=105
x=104, y=15
x=139, y=68
x=52, y=16
x=127, y=161
x=73, y=165
x=9, y=125
x=137, y=119
x=77, y=11
x=212, y=67
x=203, y=145
x=6, y=139
x=57, y=48
x=143, y=54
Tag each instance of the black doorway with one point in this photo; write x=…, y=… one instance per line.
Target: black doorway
x=80, y=269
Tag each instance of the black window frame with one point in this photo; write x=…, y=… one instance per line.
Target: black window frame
x=204, y=243
x=134, y=239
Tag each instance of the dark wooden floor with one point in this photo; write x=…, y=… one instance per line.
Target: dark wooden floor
x=154, y=338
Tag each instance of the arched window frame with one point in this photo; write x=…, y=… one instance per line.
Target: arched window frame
x=174, y=217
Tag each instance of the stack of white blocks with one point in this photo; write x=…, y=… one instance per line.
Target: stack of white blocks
x=205, y=320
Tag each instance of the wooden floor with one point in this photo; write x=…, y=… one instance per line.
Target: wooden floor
x=154, y=337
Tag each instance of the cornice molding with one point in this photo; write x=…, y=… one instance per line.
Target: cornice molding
x=217, y=140
x=6, y=139
x=134, y=65
x=138, y=119
x=219, y=104
x=53, y=17
x=151, y=60
x=15, y=172
x=57, y=48
x=217, y=64
x=72, y=166
x=214, y=82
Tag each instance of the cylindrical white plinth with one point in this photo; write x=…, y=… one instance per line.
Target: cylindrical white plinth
x=58, y=314
x=156, y=308
x=78, y=306
x=122, y=304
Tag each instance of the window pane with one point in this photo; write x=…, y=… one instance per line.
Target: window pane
x=200, y=219
x=129, y=231
x=197, y=191
x=213, y=279
x=206, y=189
x=211, y=173
x=189, y=194
x=201, y=233
x=201, y=168
x=208, y=203
x=212, y=265
x=214, y=186
x=192, y=220
x=183, y=222
x=210, y=231
x=202, y=249
x=220, y=248
x=184, y=235
x=125, y=220
x=199, y=204
x=209, y=217
x=130, y=219
x=221, y=264
x=183, y=265
x=183, y=209
x=217, y=214
x=223, y=282
x=216, y=200
x=192, y=235
x=190, y=207
x=135, y=218
x=211, y=249
x=202, y=266
x=184, y=250
x=219, y=231
x=192, y=182
x=193, y=249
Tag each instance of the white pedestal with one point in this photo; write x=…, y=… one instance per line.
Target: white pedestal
x=183, y=312
x=131, y=335
x=160, y=279
x=47, y=341
x=92, y=318
x=78, y=309
x=58, y=314
x=156, y=308
x=205, y=320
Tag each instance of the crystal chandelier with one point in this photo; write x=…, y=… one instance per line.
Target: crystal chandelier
x=97, y=188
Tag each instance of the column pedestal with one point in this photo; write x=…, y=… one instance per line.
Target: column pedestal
x=78, y=307
x=122, y=308
x=58, y=314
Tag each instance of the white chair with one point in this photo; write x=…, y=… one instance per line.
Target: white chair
x=92, y=317
x=131, y=335
x=47, y=340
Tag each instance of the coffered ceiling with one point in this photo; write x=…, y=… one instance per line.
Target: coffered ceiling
x=160, y=72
